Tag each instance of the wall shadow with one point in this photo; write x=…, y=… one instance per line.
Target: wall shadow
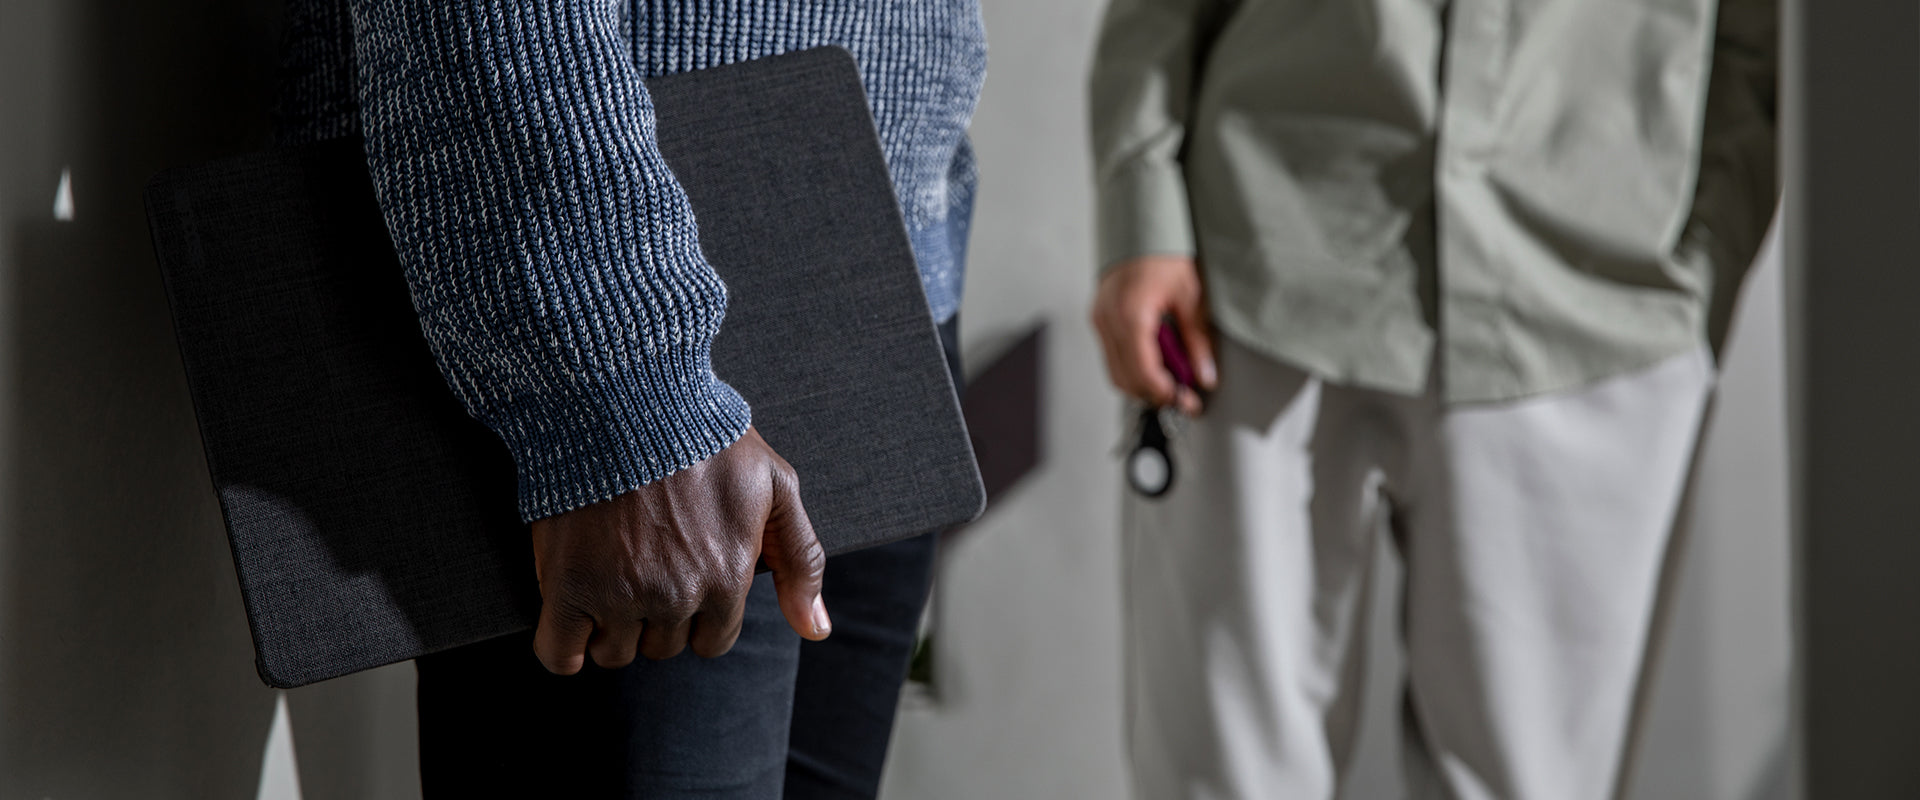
x=125, y=664
x=126, y=660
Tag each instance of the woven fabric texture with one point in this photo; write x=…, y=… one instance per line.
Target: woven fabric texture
x=553, y=258
x=373, y=519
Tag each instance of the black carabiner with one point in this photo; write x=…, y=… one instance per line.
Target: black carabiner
x=1150, y=463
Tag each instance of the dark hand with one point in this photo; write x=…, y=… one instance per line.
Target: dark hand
x=1133, y=297
x=669, y=564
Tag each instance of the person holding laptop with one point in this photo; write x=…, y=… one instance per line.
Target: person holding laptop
x=1444, y=270
x=556, y=268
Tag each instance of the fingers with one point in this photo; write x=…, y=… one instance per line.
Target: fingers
x=1127, y=339
x=794, y=555
x=1140, y=354
x=1186, y=401
x=643, y=564
x=1190, y=318
x=666, y=634
x=718, y=626
x=613, y=645
x=1132, y=301
x=560, y=642
x=667, y=630
x=1128, y=322
x=1197, y=334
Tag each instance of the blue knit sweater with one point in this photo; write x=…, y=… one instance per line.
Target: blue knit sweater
x=552, y=257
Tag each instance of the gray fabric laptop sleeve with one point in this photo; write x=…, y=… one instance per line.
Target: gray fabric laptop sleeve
x=373, y=521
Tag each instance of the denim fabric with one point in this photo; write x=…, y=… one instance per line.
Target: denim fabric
x=554, y=260
x=847, y=688
x=774, y=718
x=495, y=723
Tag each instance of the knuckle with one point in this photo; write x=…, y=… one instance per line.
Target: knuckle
x=734, y=583
x=813, y=558
x=568, y=613
x=658, y=600
x=679, y=607
x=802, y=546
x=1144, y=315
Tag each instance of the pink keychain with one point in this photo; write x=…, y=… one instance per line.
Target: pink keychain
x=1173, y=351
x=1150, y=463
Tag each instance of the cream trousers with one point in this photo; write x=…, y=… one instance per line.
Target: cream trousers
x=1533, y=533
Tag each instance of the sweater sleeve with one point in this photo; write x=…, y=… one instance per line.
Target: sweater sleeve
x=552, y=257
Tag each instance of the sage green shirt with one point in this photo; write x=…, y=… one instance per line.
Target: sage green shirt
x=1528, y=195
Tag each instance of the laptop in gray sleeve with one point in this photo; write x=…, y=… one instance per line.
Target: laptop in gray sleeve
x=373, y=521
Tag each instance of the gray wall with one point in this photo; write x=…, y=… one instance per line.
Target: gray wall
x=125, y=668
x=124, y=661
x=1718, y=720
x=1028, y=600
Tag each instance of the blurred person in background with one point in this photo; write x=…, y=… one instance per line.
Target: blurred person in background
x=1451, y=271
x=557, y=270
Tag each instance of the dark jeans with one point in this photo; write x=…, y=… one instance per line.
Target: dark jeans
x=812, y=717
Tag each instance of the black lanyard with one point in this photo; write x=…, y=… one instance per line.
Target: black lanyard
x=1150, y=462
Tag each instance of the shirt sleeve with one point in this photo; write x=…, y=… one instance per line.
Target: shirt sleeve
x=1146, y=68
x=1738, y=187
x=552, y=257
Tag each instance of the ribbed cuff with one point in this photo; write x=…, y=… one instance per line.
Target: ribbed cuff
x=612, y=436
x=1143, y=211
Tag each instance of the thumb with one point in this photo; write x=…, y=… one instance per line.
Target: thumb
x=1197, y=334
x=793, y=554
